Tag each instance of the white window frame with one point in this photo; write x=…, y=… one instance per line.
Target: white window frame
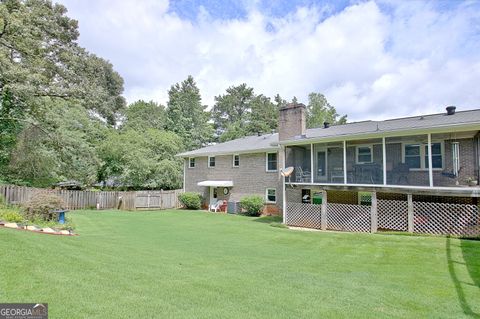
x=208, y=162
x=233, y=160
x=190, y=162
x=370, y=146
x=266, y=162
x=423, y=153
x=266, y=196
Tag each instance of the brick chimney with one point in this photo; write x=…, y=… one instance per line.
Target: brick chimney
x=291, y=121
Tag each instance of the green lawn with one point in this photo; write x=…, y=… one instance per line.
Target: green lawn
x=203, y=265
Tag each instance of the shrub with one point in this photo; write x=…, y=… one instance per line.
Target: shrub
x=11, y=215
x=252, y=205
x=42, y=205
x=191, y=200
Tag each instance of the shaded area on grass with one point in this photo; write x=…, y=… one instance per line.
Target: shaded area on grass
x=470, y=254
x=269, y=219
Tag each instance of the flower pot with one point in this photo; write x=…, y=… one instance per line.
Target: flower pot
x=472, y=183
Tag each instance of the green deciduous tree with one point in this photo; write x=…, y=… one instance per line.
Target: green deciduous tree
x=142, y=115
x=39, y=57
x=60, y=146
x=320, y=111
x=142, y=159
x=186, y=116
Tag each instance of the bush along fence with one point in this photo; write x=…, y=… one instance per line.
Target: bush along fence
x=18, y=195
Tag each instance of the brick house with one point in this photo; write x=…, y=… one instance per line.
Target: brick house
x=359, y=176
x=228, y=171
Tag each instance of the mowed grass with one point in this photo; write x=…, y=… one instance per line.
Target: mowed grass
x=181, y=264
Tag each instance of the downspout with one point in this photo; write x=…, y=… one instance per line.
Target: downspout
x=184, y=173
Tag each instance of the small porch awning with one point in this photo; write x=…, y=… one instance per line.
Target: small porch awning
x=216, y=183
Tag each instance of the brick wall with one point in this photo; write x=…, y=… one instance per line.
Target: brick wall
x=250, y=178
x=291, y=121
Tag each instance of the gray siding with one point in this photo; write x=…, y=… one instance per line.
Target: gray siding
x=250, y=178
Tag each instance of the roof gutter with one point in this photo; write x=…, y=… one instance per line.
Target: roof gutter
x=254, y=151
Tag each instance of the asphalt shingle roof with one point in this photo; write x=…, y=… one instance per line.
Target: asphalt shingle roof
x=240, y=145
x=270, y=141
x=406, y=123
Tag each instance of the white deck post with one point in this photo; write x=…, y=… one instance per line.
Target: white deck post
x=311, y=163
x=384, y=151
x=410, y=213
x=284, y=193
x=345, y=162
x=323, y=216
x=430, y=168
x=374, y=213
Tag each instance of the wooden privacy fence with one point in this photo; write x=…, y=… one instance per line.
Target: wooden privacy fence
x=19, y=195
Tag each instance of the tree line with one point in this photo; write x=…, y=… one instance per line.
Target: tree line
x=63, y=116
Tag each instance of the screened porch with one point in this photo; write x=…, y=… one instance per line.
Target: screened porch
x=430, y=160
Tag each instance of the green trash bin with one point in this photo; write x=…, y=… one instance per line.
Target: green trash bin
x=317, y=198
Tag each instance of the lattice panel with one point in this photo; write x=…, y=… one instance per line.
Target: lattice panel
x=392, y=214
x=347, y=217
x=446, y=219
x=303, y=215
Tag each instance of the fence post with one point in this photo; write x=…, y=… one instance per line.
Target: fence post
x=323, y=217
x=161, y=198
x=374, y=213
x=410, y=213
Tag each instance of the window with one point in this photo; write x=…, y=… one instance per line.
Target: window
x=191, y=162
x=271, y=162
x=271, y=195
x=436, y=155
x=413, y=154
x=364, y=154
x=211, y=161
x=236, y=160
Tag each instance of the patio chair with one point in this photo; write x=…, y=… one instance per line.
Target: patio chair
x=301, y=175
x=337, y=175
x=215, y=206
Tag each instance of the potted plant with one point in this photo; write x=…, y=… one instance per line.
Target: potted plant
x=471, y=181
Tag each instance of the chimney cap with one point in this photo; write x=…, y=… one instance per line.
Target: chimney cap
x=292, y=106
x=450, y=109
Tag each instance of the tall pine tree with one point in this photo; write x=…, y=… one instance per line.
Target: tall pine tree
x=186, y=116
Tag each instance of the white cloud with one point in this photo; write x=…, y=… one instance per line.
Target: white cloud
x=370, y=60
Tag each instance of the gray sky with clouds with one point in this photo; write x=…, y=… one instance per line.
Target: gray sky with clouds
x=372, y=60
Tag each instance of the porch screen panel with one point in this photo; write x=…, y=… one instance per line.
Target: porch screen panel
x=453, y=158
x=328, y=163
x=407, y=160
x=298, y=157
x=365, y=162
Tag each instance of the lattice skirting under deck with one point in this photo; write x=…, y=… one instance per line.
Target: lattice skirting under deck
x=303, y=215
x=392, y=214
x=446, y=219
x=348, y=217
